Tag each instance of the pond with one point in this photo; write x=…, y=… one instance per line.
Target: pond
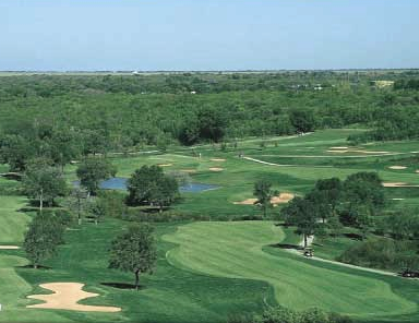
x=120, y=183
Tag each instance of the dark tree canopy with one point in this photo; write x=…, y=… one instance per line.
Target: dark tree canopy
x=44, y=183
x=149, y=185
x=134, y=251
x=44, y=235
x=94, y=170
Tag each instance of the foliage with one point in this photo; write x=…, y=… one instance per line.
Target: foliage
x=383, y=253
x=150, y=186
x=44, y=235
x=134, y=251
x=94, y=170
x=44, y=184
x=263, y=193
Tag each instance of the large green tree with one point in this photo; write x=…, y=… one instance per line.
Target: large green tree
x=44, y=183
x=134, y=251
x=94, y=170
x=299, y=212
x=44, y=235
x=149, y=185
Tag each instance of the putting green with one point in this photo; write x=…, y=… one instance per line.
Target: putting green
x=234, y=249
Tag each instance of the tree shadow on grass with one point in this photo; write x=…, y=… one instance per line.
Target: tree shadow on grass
x=40, y=267
x=353, y=236
x=286, y=246
x=122, y=286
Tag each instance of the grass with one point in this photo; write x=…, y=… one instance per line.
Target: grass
x=12, y=222
x=209, y=270
x=235, y=250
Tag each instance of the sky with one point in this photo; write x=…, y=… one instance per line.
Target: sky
x=154, y=35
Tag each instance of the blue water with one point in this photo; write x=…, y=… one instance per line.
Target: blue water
x=120, y=183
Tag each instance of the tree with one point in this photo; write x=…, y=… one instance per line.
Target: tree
x=94, y=170
x=43, y=183
x=364, y=191
x=212, y=124
x=15, y=150
x=332, y=190
x=263, y=193
x=303, y=120
x=64, y=147
x=299, y=212
x=150, y=186
x=77, y=202
x=134, y=251
x=41, y=240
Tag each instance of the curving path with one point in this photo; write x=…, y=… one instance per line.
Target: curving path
x=235, y=250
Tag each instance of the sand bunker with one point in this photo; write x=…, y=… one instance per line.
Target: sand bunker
x=9, y=247
x=417, y=172
x=66, y=297
x=216, y=169
x=218, y=160
x=398, y=199
x=165, y=165
x=398, y=184
x=281, y=199
x=344, y=150
x=398, y=167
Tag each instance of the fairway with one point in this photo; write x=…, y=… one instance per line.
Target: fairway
x=12, y=222
x=235, y=250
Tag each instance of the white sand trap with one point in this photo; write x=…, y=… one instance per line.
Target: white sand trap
x=398, y=199
x=216, y=169
x=398, y=184
x=281, y=199
x=338, y=151
x=66, y=297
x=218, y=160
x=398, y=167
x=9, y=247
x=417, y=172
x=165, y=165
x=344, y=150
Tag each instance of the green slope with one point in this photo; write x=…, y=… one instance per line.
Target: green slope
x=235, y=250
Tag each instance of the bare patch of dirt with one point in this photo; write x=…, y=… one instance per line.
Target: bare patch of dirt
x=66, y=297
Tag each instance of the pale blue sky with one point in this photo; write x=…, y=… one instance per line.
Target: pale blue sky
x=208, y=34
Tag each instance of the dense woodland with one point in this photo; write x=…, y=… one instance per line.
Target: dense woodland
x=62, y=116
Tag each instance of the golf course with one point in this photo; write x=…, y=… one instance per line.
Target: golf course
x=212, y=264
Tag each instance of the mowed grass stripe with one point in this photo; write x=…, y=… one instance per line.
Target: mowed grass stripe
x=234, y=249
x=12, y=223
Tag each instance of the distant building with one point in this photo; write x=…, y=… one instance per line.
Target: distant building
x=382, y=83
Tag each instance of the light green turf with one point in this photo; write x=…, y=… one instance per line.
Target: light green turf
x=13, y=291
x=12, y=222
x=234, y=250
